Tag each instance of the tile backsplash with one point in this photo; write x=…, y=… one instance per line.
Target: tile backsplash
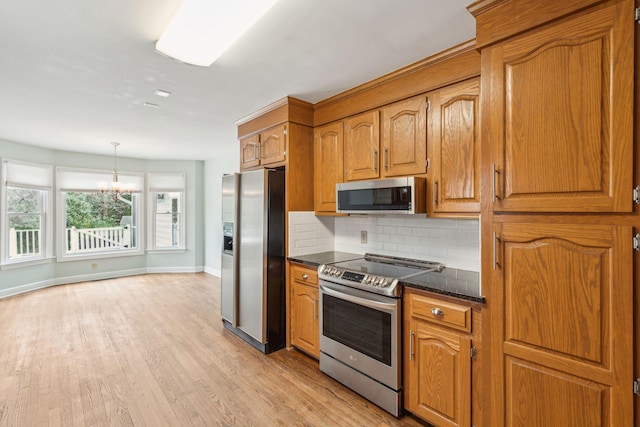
x=309, y=234
x=454, y=242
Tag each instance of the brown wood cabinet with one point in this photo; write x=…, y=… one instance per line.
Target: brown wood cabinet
x=454, y=148
x=393, y=146
x=557, y=137
x=404, y=138
x=304, y=324
x=562, y=114
x=328, y=165
x=438, y=360
x=362, y=146
x=566, y=290
x=268, y=148
x=250, y=152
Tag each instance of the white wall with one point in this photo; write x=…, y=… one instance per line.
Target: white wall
x=224, y=163
x=23, y=278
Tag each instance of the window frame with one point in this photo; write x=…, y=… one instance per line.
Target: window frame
x=46, y=214
x=61, y=214
x=170, y=182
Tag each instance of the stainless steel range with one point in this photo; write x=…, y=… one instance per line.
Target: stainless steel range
x=360, y=324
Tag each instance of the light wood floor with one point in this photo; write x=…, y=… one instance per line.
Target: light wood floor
x=150, y=350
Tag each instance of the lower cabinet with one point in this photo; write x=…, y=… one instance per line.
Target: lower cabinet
x=305, y=331
x=439, y=360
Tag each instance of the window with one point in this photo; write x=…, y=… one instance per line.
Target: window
x=166, y=211
x=94, y=224
x=26, y=194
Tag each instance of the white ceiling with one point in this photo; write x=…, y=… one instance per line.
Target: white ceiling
x=74, y=74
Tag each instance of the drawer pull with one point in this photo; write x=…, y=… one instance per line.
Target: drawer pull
x=437, y=312
x=305, y=276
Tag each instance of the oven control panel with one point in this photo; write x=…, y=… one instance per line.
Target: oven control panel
x=351, y=276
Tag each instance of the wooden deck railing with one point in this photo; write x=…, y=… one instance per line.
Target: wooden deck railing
x=97, y=239
x=23, y=243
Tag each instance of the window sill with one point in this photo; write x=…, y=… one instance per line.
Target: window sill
x=19, y=264
x=99, y=255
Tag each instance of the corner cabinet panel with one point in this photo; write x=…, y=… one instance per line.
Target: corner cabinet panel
x=328, y=165
x=564, y=133
x=362, y=146
x=274, y=145
x=568, y=307
x=454, y=137
x=404, y=138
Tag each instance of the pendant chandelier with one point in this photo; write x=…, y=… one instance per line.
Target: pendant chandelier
x=116, y=188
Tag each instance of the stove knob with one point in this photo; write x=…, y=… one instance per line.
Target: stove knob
x=367, y=280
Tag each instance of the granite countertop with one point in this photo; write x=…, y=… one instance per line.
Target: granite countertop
x=452, y=282
x=316, y=260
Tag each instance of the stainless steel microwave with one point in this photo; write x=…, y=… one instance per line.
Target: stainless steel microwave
x=406, y=195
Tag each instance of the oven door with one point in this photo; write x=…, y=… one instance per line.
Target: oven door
x=361, y=329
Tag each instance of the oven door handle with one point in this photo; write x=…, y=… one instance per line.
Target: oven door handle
x=361, y=301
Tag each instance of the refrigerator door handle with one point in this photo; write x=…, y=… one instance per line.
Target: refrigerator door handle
x=236, y=252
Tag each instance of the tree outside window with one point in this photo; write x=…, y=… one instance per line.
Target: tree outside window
x=25, y=217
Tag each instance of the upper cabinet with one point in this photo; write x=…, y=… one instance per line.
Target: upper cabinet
x=454, y=148
x=266, y=148
x=273, y=145
x=387, y=142
x=328, y=165
x=281, y=135
x=362, y=146
x=404, y=138
x=250, y=152
x=561, y=115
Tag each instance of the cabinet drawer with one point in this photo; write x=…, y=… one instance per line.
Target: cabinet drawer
x=304, y=275
x=441, y=312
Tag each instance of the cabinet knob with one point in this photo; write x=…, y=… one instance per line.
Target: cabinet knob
x=437, y=312
x=305, y=276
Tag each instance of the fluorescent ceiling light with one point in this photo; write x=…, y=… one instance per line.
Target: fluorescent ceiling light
x=201, y=30
x=163, y=93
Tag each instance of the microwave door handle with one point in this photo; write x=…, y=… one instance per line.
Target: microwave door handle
x=376, y=305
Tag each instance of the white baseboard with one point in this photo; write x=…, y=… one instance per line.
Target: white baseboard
x=25, y=288
x=4, y=293
x=153, y=270
x=213, y=271
x=98, y=276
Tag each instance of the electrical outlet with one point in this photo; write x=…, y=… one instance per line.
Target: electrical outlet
x=94, y=265
x=363, y=236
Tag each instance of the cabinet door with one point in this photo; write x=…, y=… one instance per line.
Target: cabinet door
x=362, y=146
x=404, y=138
x=328, y=165
x=250, y=152
x=273, y=143
x=438, y=380
x=565, y=353
x=305, y=332
x=559, y=107
x=455, y=146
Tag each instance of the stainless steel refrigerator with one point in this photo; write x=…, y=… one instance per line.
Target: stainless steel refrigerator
x=253, y=257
